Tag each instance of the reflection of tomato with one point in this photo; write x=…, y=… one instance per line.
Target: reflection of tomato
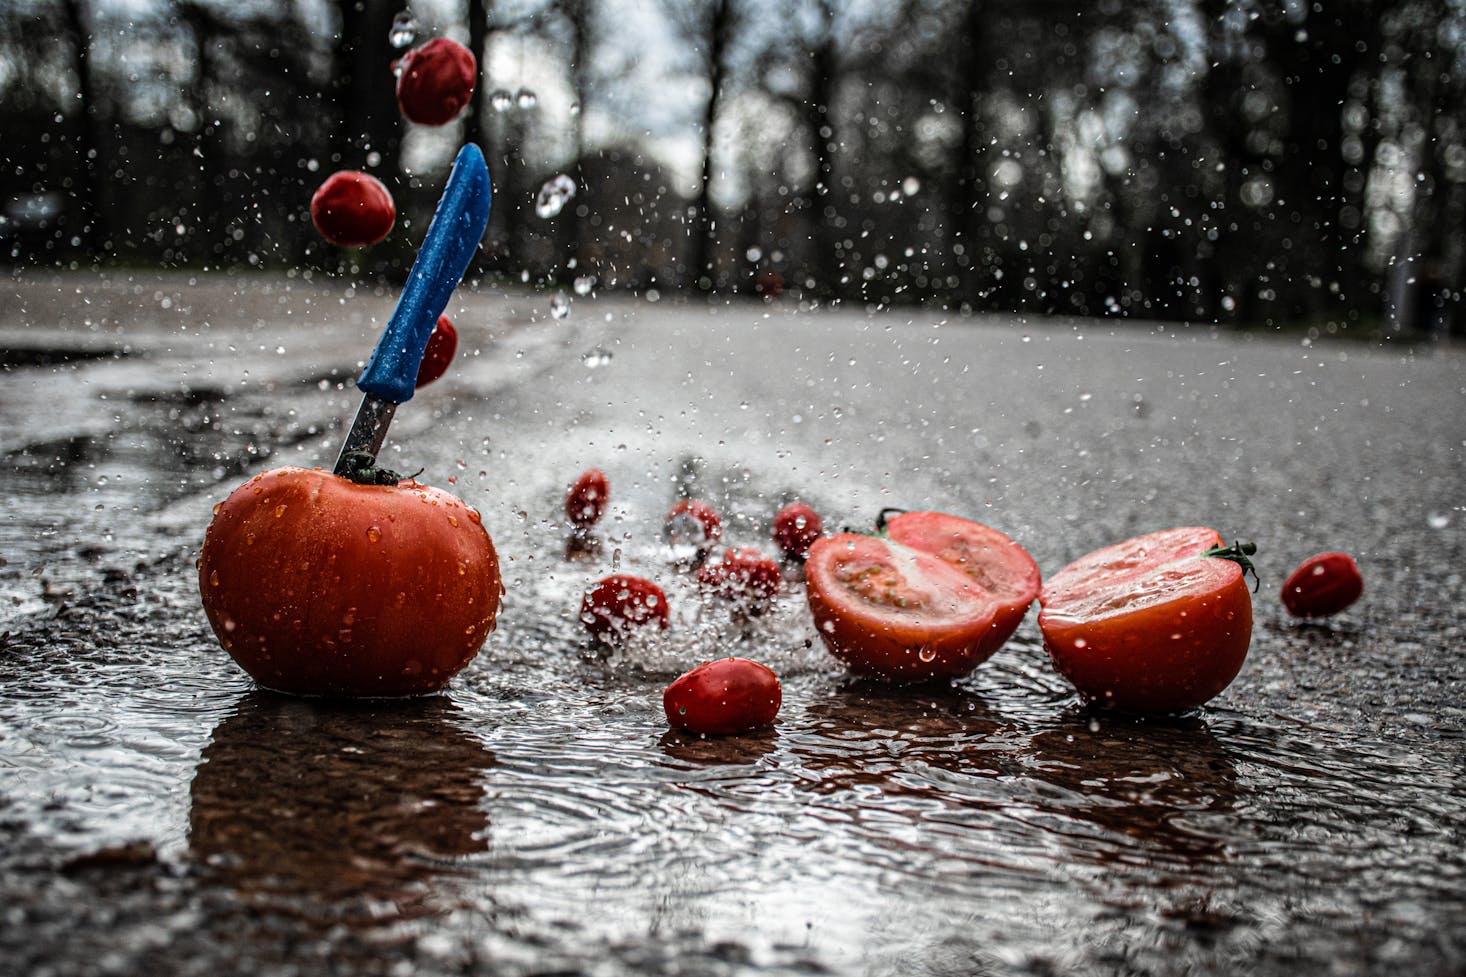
x=796, y=527
x=586, y=501
x=730, y=695
x=352, y=209
x=621, y=604
x=1322, y=585
x=442, y=344
x=744, y=575
x=435, y=81
x=1158, y=623
x=933, y=600
x=319, y=586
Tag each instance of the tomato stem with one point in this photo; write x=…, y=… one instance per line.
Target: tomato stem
x=884, y=515
x=361, y=468
x=1238, y=553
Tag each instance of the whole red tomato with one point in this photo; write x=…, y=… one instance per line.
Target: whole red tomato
x=693, y=523
x=1322, y=585
x=352, y=209
x=743, y=575
x=730, y=695
x=621, y=604
x=585, y=503
x=442, y=344
x=1159, y=623
x=796, y=527
x=317, y=585
x=435, y=81
x=933, y=599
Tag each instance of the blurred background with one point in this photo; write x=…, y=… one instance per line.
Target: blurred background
x=1269, y=164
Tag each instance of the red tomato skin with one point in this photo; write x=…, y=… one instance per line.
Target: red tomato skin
x=1322, y=585
x=1171, y=653
x=442, y=344
x=743, y=574
x=796, y=527
x=724, y=697
x=621, y=604
x=435, y=81
x=703, y=515
x=586, y=501
x=957, y=627
x=352, y=209
x=318, y=586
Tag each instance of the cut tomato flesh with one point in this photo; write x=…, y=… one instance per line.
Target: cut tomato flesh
x=1110, y=576
x=992, y=560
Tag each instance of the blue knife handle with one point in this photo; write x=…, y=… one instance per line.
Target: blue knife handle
x=453, y=236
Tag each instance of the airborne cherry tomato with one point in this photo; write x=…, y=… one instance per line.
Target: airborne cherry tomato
x=435, y=81
x=1322, y=585
x=1158, y=623
x=585, y=503
x=743, y=575
x=317, y=585
x=932, y=600
x=693, y=523
x=796, y=527
x=352, y=209
x=622, y=604
x=730, y=695
x=442, y=344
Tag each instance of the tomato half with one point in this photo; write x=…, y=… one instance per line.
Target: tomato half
x=932, y=600
x=1322, y=585
x=317, y=585
x=1151, y=625
x=730, y=695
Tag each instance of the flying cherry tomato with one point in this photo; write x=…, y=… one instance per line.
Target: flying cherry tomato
x=318, y=585
x=1156, y=624
x=730, y=695
x=693, y=523
x=744, y=575
x=442, y=344
x=796, y=527
x=585, y=503
x=1322, y=585
x=931, y=599
x=352, y=209
x=622, y=604
x=435, y=81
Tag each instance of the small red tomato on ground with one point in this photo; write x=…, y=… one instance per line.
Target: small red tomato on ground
x=435, y=81
x=730, y=695
x=585, y=503
x=1322, y=585
x=352, y=209
x=742, y=574
x=796, y=527
x=693, y=523
x=318, y=585
x=1156, y=624
x=442, y=344
x=621, y=604
x=931, y=600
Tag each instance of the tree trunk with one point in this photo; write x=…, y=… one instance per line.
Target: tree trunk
x=87, y=192
x=704, y=224
x=967, y=219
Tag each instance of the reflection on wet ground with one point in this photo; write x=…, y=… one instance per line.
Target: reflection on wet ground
x=158, y=815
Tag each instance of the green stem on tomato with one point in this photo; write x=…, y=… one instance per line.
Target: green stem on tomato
x=884, y=515
x=361, y=468
x=1238, y=553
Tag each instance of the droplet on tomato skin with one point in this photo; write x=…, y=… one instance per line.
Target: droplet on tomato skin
x=401, y=599
x=217, y=507
x=411, y=668
x=279, y=511
x=681, y=710
x=373, y=534
x=229, y=625
x=452, y=521
x=249, y=539
x=214, y=582
x=474, y=515
x=926, y=653
x=1080, y=644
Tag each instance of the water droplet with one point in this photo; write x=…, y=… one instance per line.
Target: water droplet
x=279, y=511
x=1080, y=644
x=926, y=653
x=500, y=100
x=217, y=507
x=553, y=196
x=584, y=284
x=681, y=710
x=575, y=107
x=560, y=306
x=526, y=99
x=1438, y=520
x=910, y=186
x=374, y=534
x=213, y=578
x=404, y=30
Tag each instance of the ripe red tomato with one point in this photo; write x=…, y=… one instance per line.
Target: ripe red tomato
x=932, y=600
x=435, y=81
x=319, y=586
x=352, y=209
x=585, y=503
x=693, y=523
x=1158, y=623
x=621, y=604
x=1322, y=585
x=730, y=695
x=442, y=344
x=796, y=527
x=742, y=574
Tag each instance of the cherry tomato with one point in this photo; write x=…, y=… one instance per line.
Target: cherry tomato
x=622, y=604
x=796, y=527
x=319, y=586
x=435, y=81
x=693, y=523
x=730, y=695
x=442, y=344
x=585, y=503
x=1158, y=623
x=1322, y=585
x=742, y=574
x=932, y=600
x=352, y=209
